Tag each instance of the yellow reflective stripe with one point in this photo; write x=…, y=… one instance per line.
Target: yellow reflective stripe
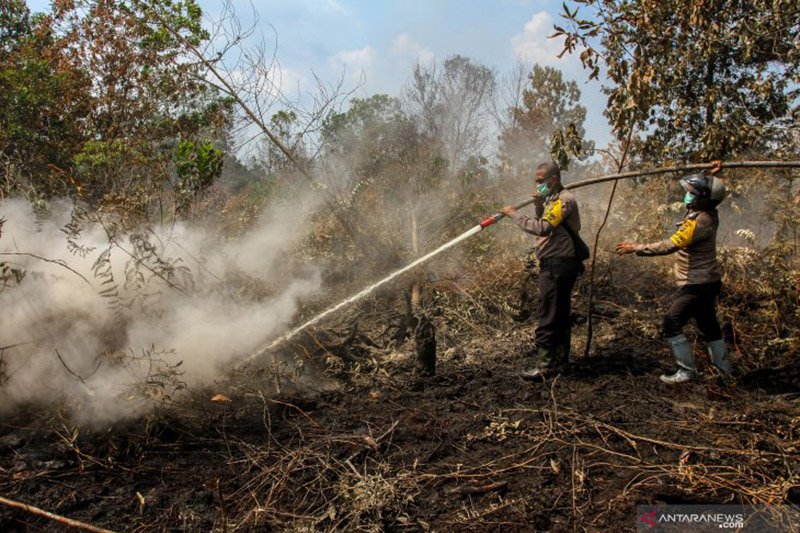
x=554, y=213
x=683, y=237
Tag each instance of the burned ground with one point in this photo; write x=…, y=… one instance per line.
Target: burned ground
x=372, y=444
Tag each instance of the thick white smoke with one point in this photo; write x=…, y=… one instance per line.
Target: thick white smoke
x=62, y=341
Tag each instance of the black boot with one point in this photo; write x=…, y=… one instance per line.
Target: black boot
x=549, y=361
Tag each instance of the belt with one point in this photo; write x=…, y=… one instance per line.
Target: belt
x=557, y=261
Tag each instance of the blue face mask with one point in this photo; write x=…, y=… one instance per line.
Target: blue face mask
x=543, y=189
x=689, y=198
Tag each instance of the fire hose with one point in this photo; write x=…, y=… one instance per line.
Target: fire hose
x=491, y=220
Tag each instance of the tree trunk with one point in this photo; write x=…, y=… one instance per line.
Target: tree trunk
x=416, y=294
x=425, y=340
x=424, y=329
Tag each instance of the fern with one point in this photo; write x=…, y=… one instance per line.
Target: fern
x=73, y=230
x=104, y=272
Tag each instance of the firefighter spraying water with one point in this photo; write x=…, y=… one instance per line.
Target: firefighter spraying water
x=424, y=259
x=491, y=220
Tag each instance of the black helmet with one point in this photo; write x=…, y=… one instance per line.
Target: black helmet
x=697, y=184
x=709, y=190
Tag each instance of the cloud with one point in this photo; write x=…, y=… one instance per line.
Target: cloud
x=286, y=81
x=334, y=7
x=533, y=45
x=360, y=58
x=404, y=45
x=354, y=63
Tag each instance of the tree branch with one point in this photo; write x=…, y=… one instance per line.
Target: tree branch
x=58, y=262
x=75, y=524
x=589, y=321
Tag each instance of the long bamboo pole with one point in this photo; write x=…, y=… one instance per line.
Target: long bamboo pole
x=491, y=220
x=683, y=168
x=642, y=173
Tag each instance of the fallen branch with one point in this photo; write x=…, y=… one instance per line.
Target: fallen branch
x=480, y=489
x=75, y=524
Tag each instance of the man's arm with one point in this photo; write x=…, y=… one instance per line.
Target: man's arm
x=547, y=219
x=665, y=247
x=692, y=229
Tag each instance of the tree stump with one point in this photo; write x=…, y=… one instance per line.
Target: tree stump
x=425, y=340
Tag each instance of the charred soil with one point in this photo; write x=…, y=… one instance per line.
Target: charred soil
x=384, y=447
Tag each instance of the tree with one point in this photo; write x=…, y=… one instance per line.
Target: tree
x=375, y=153
x=549, y=106
x=147, y=96
x=198, y=164
x=43, y=100
x=454, y=106
x=15, y=22
x=700, y=78
x=100, y=97
x=384, y=164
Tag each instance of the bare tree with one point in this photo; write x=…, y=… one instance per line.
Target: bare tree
x=454, y=105
x=508, y=95
x=242, y=66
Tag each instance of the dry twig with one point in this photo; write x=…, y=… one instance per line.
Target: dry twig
x=75, y=524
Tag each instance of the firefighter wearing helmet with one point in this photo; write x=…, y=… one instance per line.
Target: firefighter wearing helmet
x=697, y=274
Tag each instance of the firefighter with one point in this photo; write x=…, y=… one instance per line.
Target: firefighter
x=697, y=273
x=555, y=224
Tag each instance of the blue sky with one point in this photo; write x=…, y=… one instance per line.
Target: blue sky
x=380, y=40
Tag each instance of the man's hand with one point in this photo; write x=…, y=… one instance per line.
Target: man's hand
x=509, y=211
x=626, y=247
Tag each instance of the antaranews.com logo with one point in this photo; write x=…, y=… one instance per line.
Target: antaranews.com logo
x=701, y=518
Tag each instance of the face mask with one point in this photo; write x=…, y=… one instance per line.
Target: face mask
x=689, y=198
x=543, y=189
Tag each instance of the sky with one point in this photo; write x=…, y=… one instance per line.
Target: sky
x=374, y=43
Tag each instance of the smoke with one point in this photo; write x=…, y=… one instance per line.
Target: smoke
x=108, y=341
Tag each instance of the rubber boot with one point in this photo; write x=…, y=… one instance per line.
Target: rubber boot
x=547, y=360
x=719, y=357
x=682, y=350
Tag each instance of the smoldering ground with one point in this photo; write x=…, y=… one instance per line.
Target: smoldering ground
x=105, y=333
x=109, y=348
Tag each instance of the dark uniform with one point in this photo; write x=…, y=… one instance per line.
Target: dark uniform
x=558, y=271
x=696, y=272
x=698, y=277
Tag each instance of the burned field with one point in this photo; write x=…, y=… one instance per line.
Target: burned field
x=361, y=439
x=195, y=225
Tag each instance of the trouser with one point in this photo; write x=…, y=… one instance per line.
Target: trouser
x=694, y=301
x=527, y=291
x=555, y=291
